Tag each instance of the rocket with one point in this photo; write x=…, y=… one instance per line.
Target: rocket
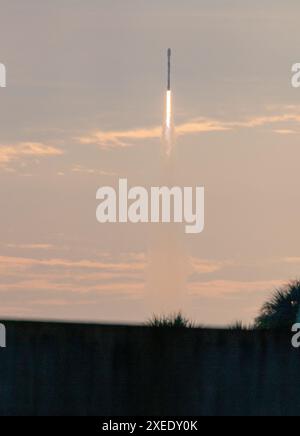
x=168, y=125
x=169, y=69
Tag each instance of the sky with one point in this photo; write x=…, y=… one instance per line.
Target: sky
x=83, y=107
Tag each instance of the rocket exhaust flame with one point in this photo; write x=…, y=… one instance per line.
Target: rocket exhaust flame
x=168, y=137
x=169, y=110
x=168, y=130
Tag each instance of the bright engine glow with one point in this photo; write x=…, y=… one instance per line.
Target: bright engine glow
x=169, y=110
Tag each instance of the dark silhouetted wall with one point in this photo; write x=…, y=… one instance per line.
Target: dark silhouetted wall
x=68, y=369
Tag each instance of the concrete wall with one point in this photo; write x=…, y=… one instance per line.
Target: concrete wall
x=66, y=369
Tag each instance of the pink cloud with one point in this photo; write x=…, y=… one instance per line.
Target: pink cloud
x=127, y=138
x=22, y=150
x=219, y=288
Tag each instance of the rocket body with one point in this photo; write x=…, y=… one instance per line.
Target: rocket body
x=169, y=69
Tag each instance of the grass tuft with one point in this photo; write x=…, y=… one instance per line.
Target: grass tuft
x=176, y=320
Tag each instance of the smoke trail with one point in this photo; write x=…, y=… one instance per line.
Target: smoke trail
x=168, y=265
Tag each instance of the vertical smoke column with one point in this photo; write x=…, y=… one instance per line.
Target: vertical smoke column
x=168, y=265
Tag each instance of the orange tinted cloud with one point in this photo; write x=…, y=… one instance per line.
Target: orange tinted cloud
x=31, y=246
x=114, y=138
x=65, y=276
x=130, y=289
x=21, y=150
x=202, y=266
x=23, y=263
x=126, y=138
x=219, y=288
x=122, y=138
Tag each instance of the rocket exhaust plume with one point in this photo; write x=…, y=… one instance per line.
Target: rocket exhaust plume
x=169, y=109
x=168, y=265
x=168, y=128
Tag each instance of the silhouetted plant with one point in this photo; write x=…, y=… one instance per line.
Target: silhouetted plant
x=281, y=311
x=238, y=325
x=176, y=320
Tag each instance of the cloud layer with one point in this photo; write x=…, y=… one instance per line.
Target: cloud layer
x=127, y=138
x=24, y=150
